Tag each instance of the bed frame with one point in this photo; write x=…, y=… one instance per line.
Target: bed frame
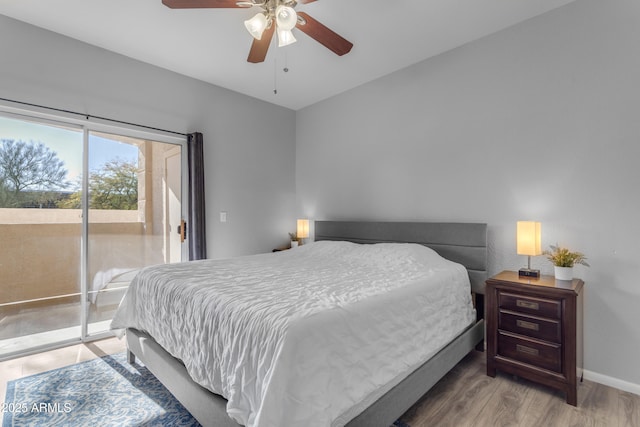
x=461, y=242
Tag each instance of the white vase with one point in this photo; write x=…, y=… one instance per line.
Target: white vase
x=294, y=243
x=563, y=273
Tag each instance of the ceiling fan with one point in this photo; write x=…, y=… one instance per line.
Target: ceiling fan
x=278, y=16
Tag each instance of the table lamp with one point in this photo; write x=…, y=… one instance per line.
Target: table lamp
x=302, y=231
x=528, y=242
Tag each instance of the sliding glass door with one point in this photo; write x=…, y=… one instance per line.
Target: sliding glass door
x=82, y=209
x=40, y=254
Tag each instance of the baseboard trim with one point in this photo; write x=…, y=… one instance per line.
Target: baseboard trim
x=612, y=382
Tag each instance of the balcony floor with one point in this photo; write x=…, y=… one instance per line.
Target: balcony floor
x=27, y=328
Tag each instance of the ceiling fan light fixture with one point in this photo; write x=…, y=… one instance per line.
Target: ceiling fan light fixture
x=256, y=25
x=273, y=15
x=286, y=19
x=285, y=37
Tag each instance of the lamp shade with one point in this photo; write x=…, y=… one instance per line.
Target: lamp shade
x=285, y=37
x=286, y=17
x=302, y=231
x=528, y=238
x=256, y=25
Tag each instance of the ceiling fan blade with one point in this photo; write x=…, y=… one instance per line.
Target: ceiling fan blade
x=193, y=4
x=259, y=48
x=306, y=1
x=323, y=35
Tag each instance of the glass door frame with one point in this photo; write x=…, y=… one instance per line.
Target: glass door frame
x=133, y=133
x=87, y=126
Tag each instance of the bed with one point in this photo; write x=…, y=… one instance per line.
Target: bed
x=379, y=404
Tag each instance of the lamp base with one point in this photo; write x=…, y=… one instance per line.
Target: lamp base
x=528, y=272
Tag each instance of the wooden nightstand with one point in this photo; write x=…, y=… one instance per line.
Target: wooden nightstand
x=534, y=329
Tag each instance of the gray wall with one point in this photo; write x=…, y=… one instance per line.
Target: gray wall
x=249, y=144
x=539, y=121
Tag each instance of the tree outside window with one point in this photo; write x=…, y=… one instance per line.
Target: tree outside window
x=32, y=175
x=112, y=186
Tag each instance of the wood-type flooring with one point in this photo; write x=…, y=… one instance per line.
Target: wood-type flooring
x=466, y=396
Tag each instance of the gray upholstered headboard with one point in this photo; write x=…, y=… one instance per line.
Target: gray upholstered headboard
x=464, y=243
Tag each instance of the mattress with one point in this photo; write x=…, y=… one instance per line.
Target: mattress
x=309, y=336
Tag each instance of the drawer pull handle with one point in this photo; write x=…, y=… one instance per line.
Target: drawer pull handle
x=526, y=350
x=528, y=304
x=528, y=325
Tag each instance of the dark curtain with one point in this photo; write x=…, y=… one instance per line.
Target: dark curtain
x=196, y=234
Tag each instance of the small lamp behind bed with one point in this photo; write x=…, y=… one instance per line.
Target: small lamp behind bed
x=302, y=231
x=528, y=242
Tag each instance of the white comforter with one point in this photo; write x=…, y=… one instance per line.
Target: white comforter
x=304, y=337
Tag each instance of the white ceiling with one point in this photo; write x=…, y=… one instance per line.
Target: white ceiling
x=212, y=44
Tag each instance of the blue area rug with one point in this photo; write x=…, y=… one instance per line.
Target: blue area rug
x=102, y=392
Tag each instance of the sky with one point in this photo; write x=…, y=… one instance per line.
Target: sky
x=67, y=143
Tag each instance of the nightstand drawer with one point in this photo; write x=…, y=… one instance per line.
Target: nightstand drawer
x=544, y=329
x=530, y=305
x=542, y=355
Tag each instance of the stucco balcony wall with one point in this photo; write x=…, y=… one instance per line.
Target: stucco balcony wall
x=40, y=249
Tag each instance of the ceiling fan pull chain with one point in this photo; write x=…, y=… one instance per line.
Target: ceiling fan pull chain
x=275, y=76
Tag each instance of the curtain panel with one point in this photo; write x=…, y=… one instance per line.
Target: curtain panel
x=196, y=233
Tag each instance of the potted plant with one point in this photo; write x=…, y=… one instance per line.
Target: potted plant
x=294, y=240
x=563, y=261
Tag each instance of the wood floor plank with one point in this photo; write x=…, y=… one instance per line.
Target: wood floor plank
x=437, y=401
x=466, y=400
x=599, y=408
x=546, y=407
x=628, y=409
x=439, y=393
x=507, y=407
